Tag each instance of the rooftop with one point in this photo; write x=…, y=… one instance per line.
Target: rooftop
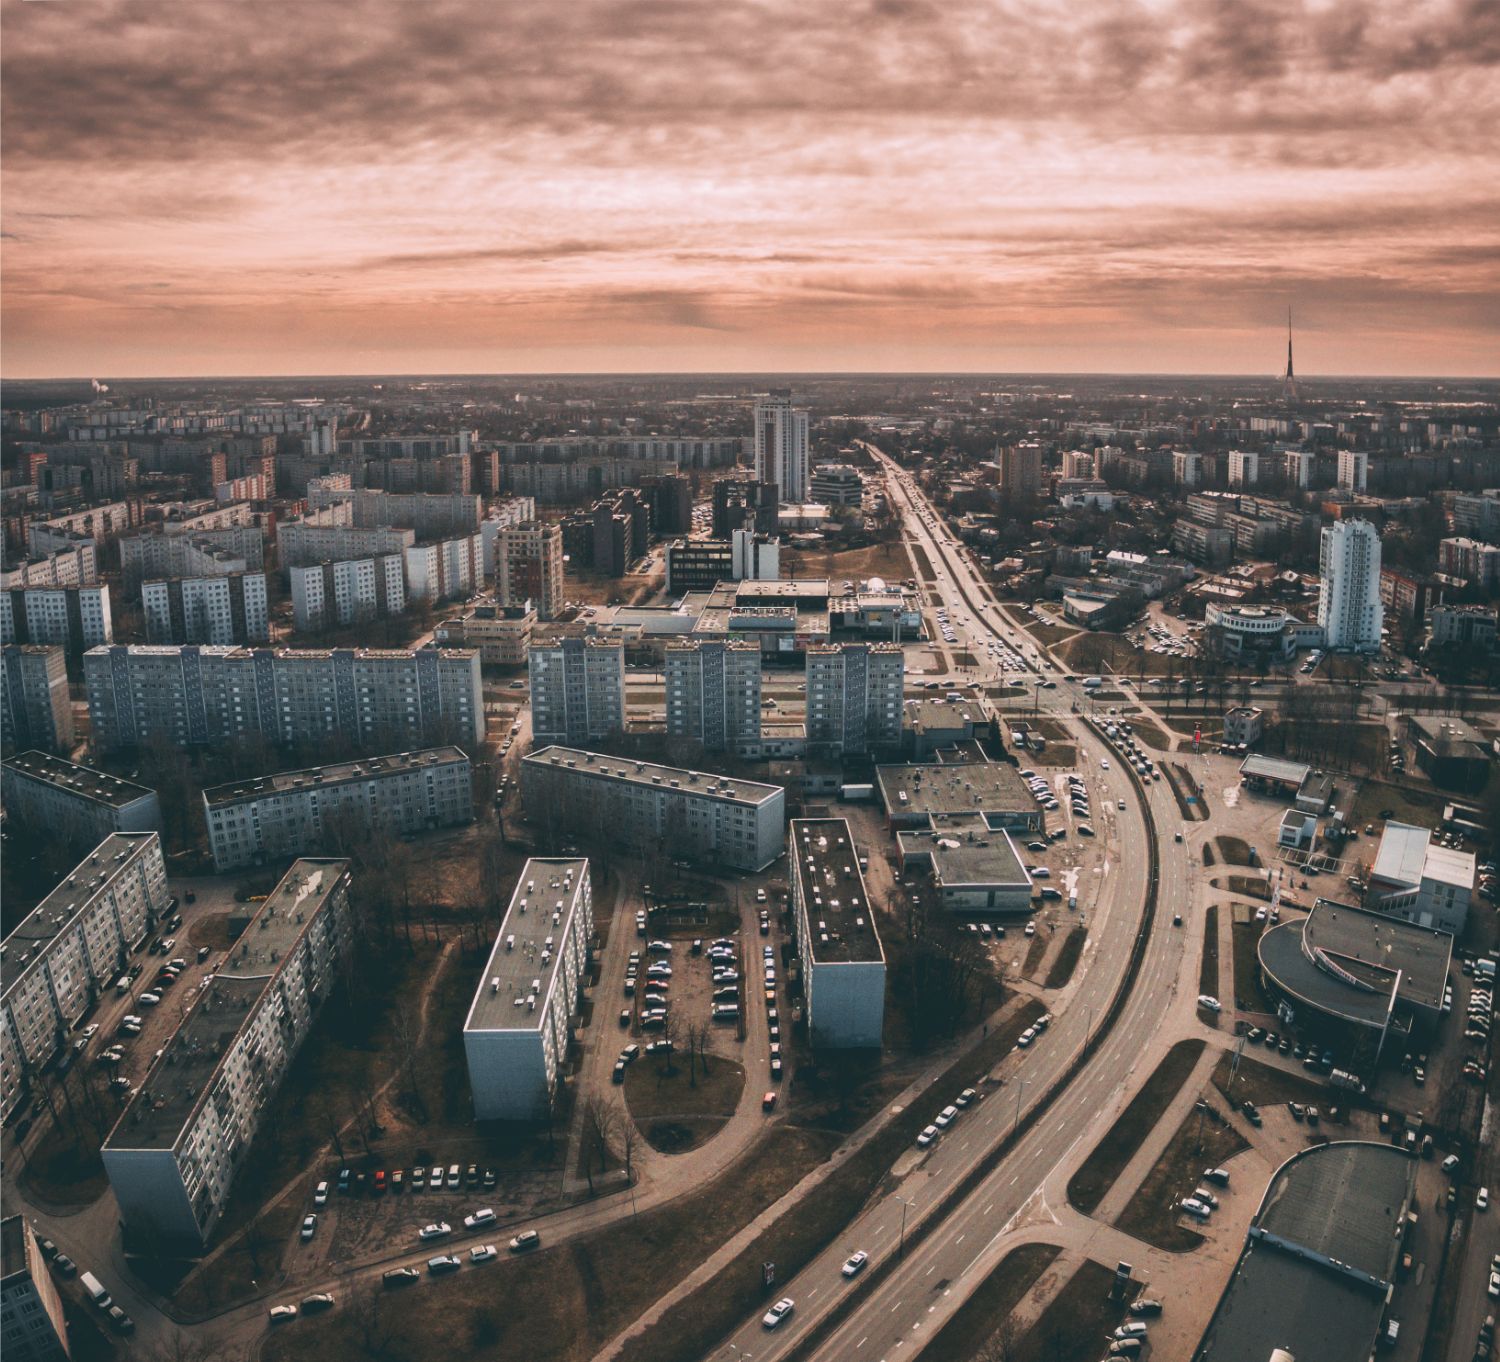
x=371, y=768
x=1406, y=856
x=965, y=850
x=83, y=781
x=1448, y=737
x=525, y=956
x=929, y=715
x=22, y=947
x=934, y=788
x=12, y=1246
x=174, y=1088
x=839, y=916
x=650, y=773
x=1274, y=768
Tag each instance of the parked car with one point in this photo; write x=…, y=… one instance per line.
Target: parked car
x=526, y=1241
x=778, y=1312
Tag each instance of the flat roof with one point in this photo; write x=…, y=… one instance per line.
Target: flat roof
x=176, y=1085
x=704, y=784
x=1282, y=956
x=12, y=1246
x=966, y=850
x=967, y=787
x=1444, y=734
x=339, y=773
x=1407, y=855
x=928, y=714
x=1274, y=768
x=546, y=887
x=53, y=915
x=83, y=781
x=840, y=919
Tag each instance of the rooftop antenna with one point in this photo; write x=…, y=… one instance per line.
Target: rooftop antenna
x=1289, y=379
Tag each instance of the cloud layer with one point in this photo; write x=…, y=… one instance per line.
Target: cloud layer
x=271, y=187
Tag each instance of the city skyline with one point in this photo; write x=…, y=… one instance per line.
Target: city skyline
x=388, y=188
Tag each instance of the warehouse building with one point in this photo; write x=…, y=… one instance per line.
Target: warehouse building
x=519, y=1024
x=740, y=824
x=838, y=946
x=173, y=1154
x=75, y=803
x=1449, y=752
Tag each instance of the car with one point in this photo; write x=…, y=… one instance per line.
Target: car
x=149, y=999
x=1482, y=1199
x=65, y=1266
x=946, y=1117
x=377, y=1183
x=778, y=1312
x=434, y=1231
x=317, y=1303
x=435, y=1179
x=400, y=1276
x=1030, y=929
x=659, y=947
x=1084, y=830
x=483, y=1216
x=483, y=1253
x=444, y=1262
x=281, y=1313
x=1209, y=1003
x=309, y=1227
x=526, y=1241
x=928, y=1135
x=320, y=1194
x=1133, y=1329
x=1192, y=1206
x=854, y=1264
x=1450, y=1164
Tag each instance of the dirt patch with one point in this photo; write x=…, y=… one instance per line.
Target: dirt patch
x=1151, y=1215
x=1066, y=960
x=1246, y=885
x=1034, y=953
x=1087, y=1187
x=1080, y=1315
x=1234, y=850
x=1265, y=1085
x=212, y=930
x=977, y=1321
x=680, y=1109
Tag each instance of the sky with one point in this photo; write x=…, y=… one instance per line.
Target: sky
x=418, y=186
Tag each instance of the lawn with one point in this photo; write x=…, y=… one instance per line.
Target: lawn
x=1233, y=850
x=1264, y=1085
x=1247, y=885
x=247, y=1267
x=1407, y=805
x=673, y=1113
x=1151, y=1215
x=1247, y=990
x=1076, y=1323
x=1086, y=1188
x=1066, y=960
x=1034, y=953
x=980, y=1317
x=886, y=559
x=1208, y=968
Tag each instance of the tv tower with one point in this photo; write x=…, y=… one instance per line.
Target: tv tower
x=1289, y=379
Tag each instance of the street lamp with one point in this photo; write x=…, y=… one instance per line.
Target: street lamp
x=1020, y=1092
x=901, y=1245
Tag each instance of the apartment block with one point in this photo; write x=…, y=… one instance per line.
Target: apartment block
x=196, y=694
x=74, y=617
x=1349, y=607
x=35, y=710
x=502, y=633
x=529, y=567
x=301, y=543
x=1244, y=468
x=77, y=566
x=191, y=518
x=445, y=570
x=173, y=1154
x=75, y=803
x=1187, y=468
x=577, y=689
x=1467, y=626
x=1476, y=516
x=1019, y=470
x=781, y=444
x=349, y=591
x=648, y=807
x=32, y=1325
x=293, y=813
x=843, y=962
x=98, y=523
x=519, y=1024
x=508, y=513
x=1354, y=470
x=713, y=694
x=224, y=610
x=432, y=515
x=251, y=487
x=1475, y=562
x=408, y=446
x=742, y=503
x=1210, y=545
x=854, y=694
x=71, y=947
x=212, y=553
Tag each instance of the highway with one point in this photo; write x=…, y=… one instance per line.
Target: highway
x=933, y=1279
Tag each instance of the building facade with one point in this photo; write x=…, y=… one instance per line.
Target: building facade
x=73, y=617
x=1349, y=607
x=351, y=591
x=713, y=694
x=529, y=567
x=75, y=803
x=300, y=543
x=35, y=710
x=32, y=1325
x=577, y=689
x=502, y=633
x=1354, y=470
x=781, y=443
x=225, y=610
x=854, y=695
x=207, y=554
x=77, y=566
x=837, y=484
x=446, y=569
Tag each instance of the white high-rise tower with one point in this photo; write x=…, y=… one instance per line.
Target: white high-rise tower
x=1349, y=606
x=781, y=444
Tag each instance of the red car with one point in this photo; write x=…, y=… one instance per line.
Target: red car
x=379, y=1184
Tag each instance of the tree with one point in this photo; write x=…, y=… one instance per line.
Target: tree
x=600, y=1124
x=628, y=1137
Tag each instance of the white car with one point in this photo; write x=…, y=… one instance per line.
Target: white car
x=928, y=1135
x=309, y=1227
x=320, y=1195
x=946, y=1117
x=778, y=1312
x=854, y=1264
x=281, y=1313
x=1209, y=1003
x=1482, y=1199
x=434, y=1231
x=483, y=1253
x=481, y=1217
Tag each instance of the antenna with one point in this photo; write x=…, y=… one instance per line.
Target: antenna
x=1289, y=379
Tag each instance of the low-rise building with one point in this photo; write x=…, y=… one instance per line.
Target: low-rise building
x=974, y=865
x=914, y=794
x=172, y=1156
x=75, y=803
x=502, y=633
x=935, y=724
x=295, y=812
x=838, y=946
x=837, y=484
x=1243, y=725
x=1462, y=626
x=648, y=807
x=1273, y=775
x=1415, y=879
x=1449, y=752
x=519, y=1025
x=32, y=1325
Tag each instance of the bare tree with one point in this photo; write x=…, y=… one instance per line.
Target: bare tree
x=600, y=1119
x=1004, y=1345
x=628, y=1137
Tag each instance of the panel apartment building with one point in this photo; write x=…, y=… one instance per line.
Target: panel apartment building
x=738, y=823
x=74, y=617
x=224, y=610
x=445, y=569
x=193, y=695
x=348, y=591
x=713, y=694
x=843, y=962
x=35, y=710
x=577, y=689
x=213, y=553
x=854, y=695
x=75, y=803
x=71, y=947
x=32, y=1325
x=77, y=566
x=289, y=814
x=173, y=1154
x=302, y=543
x=433, y=515
x=529, y=567
x=516, y=1034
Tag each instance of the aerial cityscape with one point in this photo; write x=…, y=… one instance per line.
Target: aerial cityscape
x=811, y=687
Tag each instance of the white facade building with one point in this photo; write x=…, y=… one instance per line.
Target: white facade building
x=753, y=557
x=445, y=570
x=1187, y=468
x=1354, y=470
x=1244, y=468
x=713, y=693
x=173, y=1154
x=517, y=1031
x=854, y=695
x=843, y=963
x=350, y=591
x=1423, y=883
x=225, y=610
x=781, y=443
x=69, y=616
x=577, y=689
x=1349, y=607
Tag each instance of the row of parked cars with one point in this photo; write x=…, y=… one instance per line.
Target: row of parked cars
x=352, y=1183
x=946, y=1117
x=1204, y=1202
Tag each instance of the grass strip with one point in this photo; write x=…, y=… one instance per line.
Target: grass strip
x=1208, y=968
x=1078, y=1322
x=980, y=1317
x=1151, y=1214
x=1062, y=969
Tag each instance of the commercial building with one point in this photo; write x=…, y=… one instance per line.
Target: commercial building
x=71, y=947
x=838, y=946
x=225, y=610
x=521, y=1020
x=914, y=794
x=1317, y=1273
x=205, y=694
x=577, y=689
x=974, y=865
x=73, y=617
x=529, y=567
x=1354, y=470
x=502, y=633
x=1367, y=982
x=173, y=1154
x=935, y=724
x=446, y=569
x=211, y=553
x=349, y=591
x=1462, y=626
x=837, y=484
x=1415, y=879
x=1236, y=631
x=642, y=805
x=1349, y=607
x=1449, y=752
x=781, y=438
x=32, y=1325
x=74, y=803
x=713, y=694
x=701, y=564
x=854, y=695
x=35, y=710
x=296, y=813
